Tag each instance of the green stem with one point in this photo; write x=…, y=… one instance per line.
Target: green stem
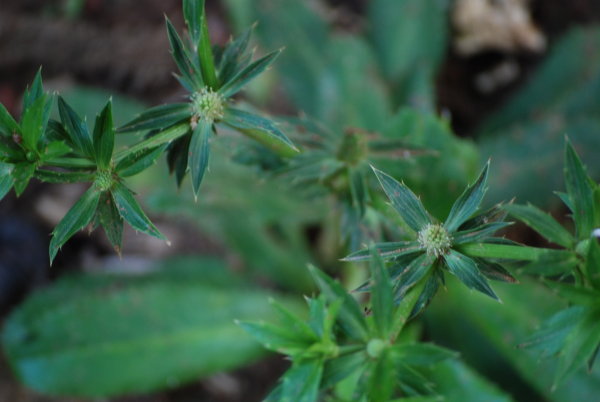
x=163, y=137
x=507, y=251
x=406, y=307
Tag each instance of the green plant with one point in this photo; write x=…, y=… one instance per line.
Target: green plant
x=76, y=337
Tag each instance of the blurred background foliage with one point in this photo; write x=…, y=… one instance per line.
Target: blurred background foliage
x=163, y=316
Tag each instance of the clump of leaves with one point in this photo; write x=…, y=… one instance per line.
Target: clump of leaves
x=574, y=273
x=339, y=341
x=212, y=79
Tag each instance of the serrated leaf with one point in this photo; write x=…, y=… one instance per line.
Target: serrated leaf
x=592, y=264
x=104, y=137
x=205, y=54
x=34, y=122
x=301, y=382
x=111, y=221
x=262, y=130
x=8, y=125
x=137, y=162
x=293, y=322
x=79, y=216
x=193, y=11
x=228, y=65
x=404, y=201
x=22, y=173
x=468, y=203
x=75, y=128
x=421, y=354
x=53, y=176
x=351, y=316
x=542, y=223
x=478, y=234
x=158, y=118
x=166, y=136
x=36, y=91
x=130, y=211
x=239, y=80
x=199, y=152
x=494, y=271
x=387, y=251
x=466, y=270
x=413, y=273
x=580, y=192
x=187, y=68
x=382, y=299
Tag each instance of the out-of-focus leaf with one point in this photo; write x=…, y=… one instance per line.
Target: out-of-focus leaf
x=22, y=173
x=421, y=354
x=580, y=192
x=382, y=299
x=231, y=56
x=107, y=335
x=8, y=125
x=592, y=264
x=301, y=382
x=6, y=179
x=205, y=54
x=542, y=222
x=386, y=251
x=382, y=378
x=193, y=11
x=239, y=80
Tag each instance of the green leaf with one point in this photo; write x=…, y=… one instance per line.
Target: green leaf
x=199, y=152
x=421, y=354
x=55, y=149
x=382, y=378
x=293, y=322
x=193, y=11
x=404, y=201
x=79, y=216
x=494, y=271
x=8, y=125
x=187, y=68
x=166, y=136
x=468, y=203
x=205, y=54
x=277, y=338
x=22, y=173
x=478, y=234
x=262, y=130
x=137, y=162
x=301, y=382
x=382, y=299
x=575, y=294
x=542, y=223
x=413, y=273
x=158, y=118
x=104, y=336
x=104, y=137
x=34, y=122
x=592, y=264
x=386, y=250
x=465, y=269
x=131, y=211
x=108, y=216
x=228, y=65
x=580, y=192
x=358, y=189
x=239, y=80
x=6, y=179
x=36, y=91
x=53, y=176
x=76, y=129
x=351, y=316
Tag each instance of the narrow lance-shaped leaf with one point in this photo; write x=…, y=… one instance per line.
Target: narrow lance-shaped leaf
x=238, y=81
x=382, y=299
x=382, y=379
x=262, y=130
x=386, y=250
x=301, y=382
x=104, y=137
x=108, y=216
x=478, y=234
x=8, y=125
x=421, y=354
x=542, y=223
x=53, y=176
x=22, y=173
x=592, y=264
x=158, y=117
x=75, y=128
x=468, y=202
x=139, y=161
x=358, y=189
x=199, y=153
x=205, y=54
x=231, y=56
x=36, y=91
x=34, y=122
x=404, y=201
x=580, y=192
x=276, y=338
x=80, y=215
x=6, y=179
x=188, y=70
x=466, y=270
x=131, y=211
x=192, y=13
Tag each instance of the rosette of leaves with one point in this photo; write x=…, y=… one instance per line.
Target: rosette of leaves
x=572, y=334
x=463, y=245
x=339, y=162
x=339, y=342
x=108, y=202
x=212, y=78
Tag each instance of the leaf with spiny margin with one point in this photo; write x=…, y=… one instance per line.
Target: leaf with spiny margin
x=104, y=137
x=239, y=80
x=262, y=130
x=79, y=216
x=580, y=346
x=430, y=289
x=111, y=221
x=358, y=189
x=404, y=201
x=301, y=382
x=478, y=234
x=416, y=270
x=188, y=70
x=158, y=118
x=421, y=354
x=382, y=378
x=386, y=250
x=233, y=60
x=467, y=271
x=554, y=262
x=6, y=179
x=351, y=316
x=35, y=92
x=75, y=128
x=542, y=223
x=55, y=149
x=130, y=211
x=192, y=14
x=293, y=322
x=199, y=152
x=34, y=122
x=382, y=299
x=341, y=367
x=53, y=176
x=494, y=271
x=177, y=158
x=580, y=192
x=205, y=54
x=8, y=125
x=592, y=264
x=137, y=162
x=278, y=338
x=468, y=203
x=22, y=173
